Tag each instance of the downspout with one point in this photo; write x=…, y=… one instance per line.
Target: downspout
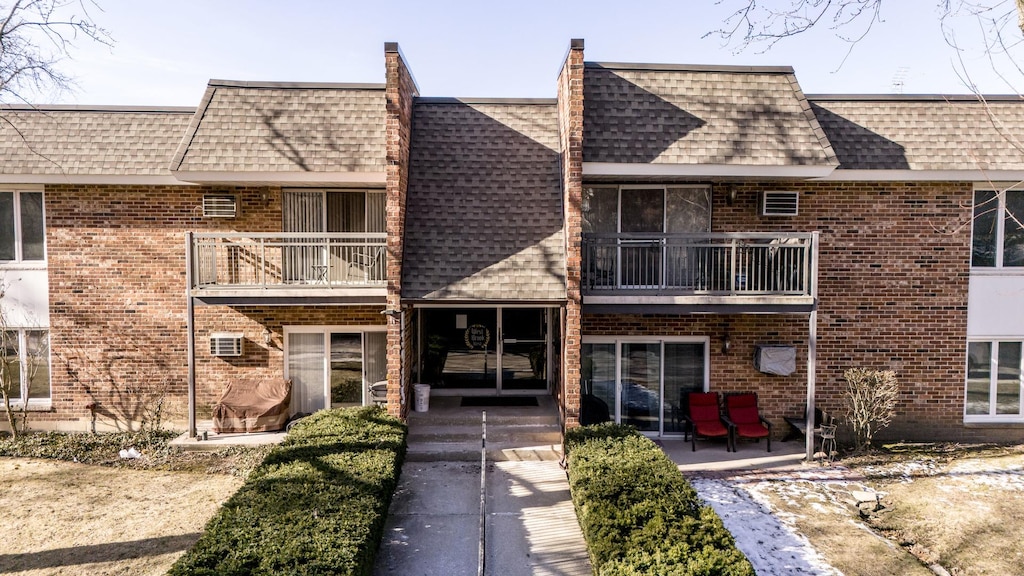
x=190, y=328
x=401, y=361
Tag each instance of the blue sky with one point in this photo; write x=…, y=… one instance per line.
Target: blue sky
x=165, y=52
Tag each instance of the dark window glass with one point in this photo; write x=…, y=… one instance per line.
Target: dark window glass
x=983, y=247
x=6, y=226
x=32, y=226
x=1013, y=229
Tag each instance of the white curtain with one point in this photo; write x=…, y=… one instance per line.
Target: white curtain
x=306, y=370
x=375, y=361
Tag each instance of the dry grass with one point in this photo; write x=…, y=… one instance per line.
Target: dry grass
x=68, y=518
x=818, y=509
x=959, y=507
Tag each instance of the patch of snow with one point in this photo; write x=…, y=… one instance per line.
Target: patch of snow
x=771, y=546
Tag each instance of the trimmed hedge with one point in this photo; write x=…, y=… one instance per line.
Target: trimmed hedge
x=316, y=505
x=638, y=514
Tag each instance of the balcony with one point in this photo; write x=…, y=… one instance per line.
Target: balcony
x=757, y=271
x=292, y=267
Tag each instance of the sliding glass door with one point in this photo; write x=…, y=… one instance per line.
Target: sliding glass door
x=641, y=381
x=333, y=367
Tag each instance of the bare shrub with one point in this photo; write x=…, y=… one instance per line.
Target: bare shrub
x=871, y=397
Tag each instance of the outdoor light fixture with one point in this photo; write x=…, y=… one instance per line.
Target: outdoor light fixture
x=268, y=337
x=726, y=343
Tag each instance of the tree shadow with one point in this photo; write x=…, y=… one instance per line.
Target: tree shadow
x=95, y=553
x=857, y=147
x=484, y=206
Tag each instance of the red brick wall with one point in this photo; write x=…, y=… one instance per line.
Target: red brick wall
x=893, y=275
x=570, y=129
x=400, y=92
x=259, y=359
x=116, y=264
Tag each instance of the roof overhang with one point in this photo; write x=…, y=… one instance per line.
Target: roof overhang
x=94, y=179
x=285, y=178
x=613, y=169
x=925, y=176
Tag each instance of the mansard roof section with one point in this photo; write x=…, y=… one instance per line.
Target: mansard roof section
x=286, y=133
x=700, y=120
x=484, y=212
x=921, y=135
x=53, y=144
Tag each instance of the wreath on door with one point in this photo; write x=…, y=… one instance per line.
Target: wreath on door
x=477, y=336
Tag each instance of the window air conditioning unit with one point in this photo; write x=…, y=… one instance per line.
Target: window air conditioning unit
x=225, y=344
x=780, y=203
x=219, y=206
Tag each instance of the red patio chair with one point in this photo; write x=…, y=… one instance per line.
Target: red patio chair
x=743, y=418
x=704, y=418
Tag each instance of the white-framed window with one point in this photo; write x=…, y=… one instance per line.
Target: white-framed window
x=642, y=380
x=22, y=226
x=333, y=366
x=994, y=385
x=997, y=239
x=25, y=365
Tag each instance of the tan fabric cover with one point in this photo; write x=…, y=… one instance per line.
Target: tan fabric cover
x=253, y=406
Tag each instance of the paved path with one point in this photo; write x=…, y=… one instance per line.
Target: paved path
x=433, y=524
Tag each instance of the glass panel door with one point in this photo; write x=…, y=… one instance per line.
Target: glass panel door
x=597, y=401
x=346, y=370
x=640, y=378
x=524, y=357
x=459, y=348
x=641, y=211
x=684, y=373
x=306, y=370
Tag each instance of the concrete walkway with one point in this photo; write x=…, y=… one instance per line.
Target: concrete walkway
x=433, y=526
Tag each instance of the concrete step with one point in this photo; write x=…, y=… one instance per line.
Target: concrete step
x=524, y=433
x=496, y=452
x=473, y=419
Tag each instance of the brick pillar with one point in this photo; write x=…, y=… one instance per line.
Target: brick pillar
x=570, y=124
x=399, y=94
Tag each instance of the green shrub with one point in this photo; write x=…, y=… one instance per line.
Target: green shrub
x=316, y=505
x=638, y=514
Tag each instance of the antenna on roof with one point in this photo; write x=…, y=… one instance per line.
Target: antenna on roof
x=899, y=79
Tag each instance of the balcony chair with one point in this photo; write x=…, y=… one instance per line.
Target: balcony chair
x=704, y=419
x=744, y=420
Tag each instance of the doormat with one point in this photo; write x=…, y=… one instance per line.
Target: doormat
x=499, y=401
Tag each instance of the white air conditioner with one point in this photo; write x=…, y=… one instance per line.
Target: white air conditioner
x=226, y=344
x=220, y=206
x=780, y=203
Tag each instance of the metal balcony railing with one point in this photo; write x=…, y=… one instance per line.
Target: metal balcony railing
x=721, y=264
x=287, y=260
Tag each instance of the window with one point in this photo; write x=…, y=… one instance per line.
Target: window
x=998, y=231
x=993, y=381
x=333, y=367
x=22, y=228
x=25, y=365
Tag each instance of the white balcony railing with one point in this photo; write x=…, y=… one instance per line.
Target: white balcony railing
x=287, y=260
x=722, y=264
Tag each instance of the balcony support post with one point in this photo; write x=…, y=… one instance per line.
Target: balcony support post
x=190, y=330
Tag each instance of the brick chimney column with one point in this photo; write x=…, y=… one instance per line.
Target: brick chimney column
x=570, y=120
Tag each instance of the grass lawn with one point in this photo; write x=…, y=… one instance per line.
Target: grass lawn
x=68, y=518
x=954, y=506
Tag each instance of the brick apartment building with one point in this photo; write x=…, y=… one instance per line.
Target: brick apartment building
x=645, y=233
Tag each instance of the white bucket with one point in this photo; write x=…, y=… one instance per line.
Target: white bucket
x=422, y=397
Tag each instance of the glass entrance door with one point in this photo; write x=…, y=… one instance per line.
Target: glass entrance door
x=524, y=349
x=485, y=349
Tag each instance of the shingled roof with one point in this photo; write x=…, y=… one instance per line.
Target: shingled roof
x=484, y=215
x=282, y=127
x=691, y=115
x=923, y=132
x=71, y=141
